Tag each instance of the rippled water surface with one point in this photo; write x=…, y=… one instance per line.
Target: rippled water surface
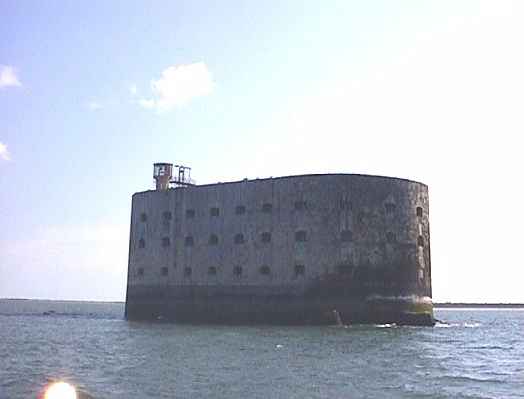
x=475, y=354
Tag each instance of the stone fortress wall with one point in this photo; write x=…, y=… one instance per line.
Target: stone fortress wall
x=310, y=236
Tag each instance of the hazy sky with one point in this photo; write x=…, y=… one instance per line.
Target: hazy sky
x=92, y=93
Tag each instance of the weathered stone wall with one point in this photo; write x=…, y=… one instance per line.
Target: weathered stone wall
x=350, y=235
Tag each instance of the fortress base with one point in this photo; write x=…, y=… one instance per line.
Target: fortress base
x=281, y=311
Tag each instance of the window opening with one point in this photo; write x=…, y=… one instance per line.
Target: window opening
x=239, y=239
x=301, y=236
x=213, y=239
x=240, y=210
x=300, y=270
x=267, y=207
x=266, y=237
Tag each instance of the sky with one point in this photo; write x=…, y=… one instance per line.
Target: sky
x=92, y=93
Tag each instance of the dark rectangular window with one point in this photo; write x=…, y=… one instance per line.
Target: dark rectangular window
x=212, y=271
x=240, y=210
x=266, y=237
x=237, y=271
x=141, y=243
x=301, y=236
x=143, y=217
x=239, y=238
x=300, y=270
x=140, y=271
x=189, y=241
x=214, y=211
x=390, y=237
x=167, y=215
x=265, y=270
x=213, y=239
x=166, y=242
x=164, y=271
x=187, y=272
x=190, y=213
x=267, y=207
x=419, y=211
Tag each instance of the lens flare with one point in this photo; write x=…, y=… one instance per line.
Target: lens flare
x=60, y=390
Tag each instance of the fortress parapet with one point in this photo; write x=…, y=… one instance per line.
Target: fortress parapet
x=288, y=250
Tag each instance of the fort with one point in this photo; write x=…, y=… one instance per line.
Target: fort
x=307, y=249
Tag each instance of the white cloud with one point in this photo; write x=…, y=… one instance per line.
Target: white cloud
x=179, y=85
x=8, y=76
x=94, y=105
x=133, y=89
x=4, y=153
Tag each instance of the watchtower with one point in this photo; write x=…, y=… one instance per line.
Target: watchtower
x=162, y=173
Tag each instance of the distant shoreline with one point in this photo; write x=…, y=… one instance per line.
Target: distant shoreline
x=435, y=304
x=58, y=300
x=477, y=305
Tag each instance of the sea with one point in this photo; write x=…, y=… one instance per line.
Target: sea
x=471, y=353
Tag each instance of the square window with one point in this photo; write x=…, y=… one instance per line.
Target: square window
x=300, y=270
x=391, y=237
x=190, y=213
x=214, y=211
x=301, y=236
x=240, y=210
x=267, y=207
x=266, y=237
x=300, y=205
x=239, y=239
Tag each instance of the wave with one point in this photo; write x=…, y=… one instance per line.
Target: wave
x=387, y=325
x=469, y=378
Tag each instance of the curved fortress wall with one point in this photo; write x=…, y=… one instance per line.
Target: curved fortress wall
x=282, y=250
